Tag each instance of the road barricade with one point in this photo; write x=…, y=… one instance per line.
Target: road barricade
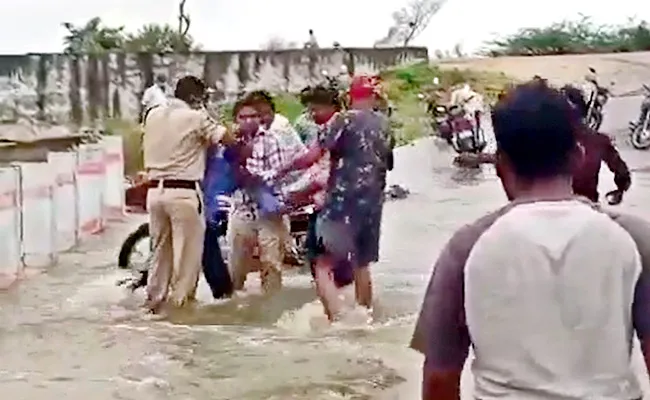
x=37, y=211
x=63, y=166
x=10, y=226
x=114, y=180
x=91, y=171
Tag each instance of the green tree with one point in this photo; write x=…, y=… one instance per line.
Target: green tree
x=573, y=37
x=92, y=37
x=156, y=38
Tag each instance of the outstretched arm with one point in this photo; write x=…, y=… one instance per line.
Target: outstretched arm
x=615, y=163
x=328, y=140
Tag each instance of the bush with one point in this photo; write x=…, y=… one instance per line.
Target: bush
x=403, y=85
x=573, y=37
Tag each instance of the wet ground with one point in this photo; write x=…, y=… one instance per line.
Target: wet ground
x=70, y=332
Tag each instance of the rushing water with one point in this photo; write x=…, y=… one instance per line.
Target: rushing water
x=72, y=333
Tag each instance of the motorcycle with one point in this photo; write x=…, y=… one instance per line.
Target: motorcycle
x=597, y=99
x=461, y=130
x=136, y=250
x=640, y=133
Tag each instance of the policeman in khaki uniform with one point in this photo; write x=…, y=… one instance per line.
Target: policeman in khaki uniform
x=176, y=137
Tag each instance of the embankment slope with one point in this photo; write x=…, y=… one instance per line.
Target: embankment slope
x=627, y=70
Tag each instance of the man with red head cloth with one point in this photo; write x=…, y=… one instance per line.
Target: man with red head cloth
x=348, y=225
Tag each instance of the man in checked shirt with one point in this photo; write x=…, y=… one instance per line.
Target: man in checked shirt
x=291, y=147
x=248, y=228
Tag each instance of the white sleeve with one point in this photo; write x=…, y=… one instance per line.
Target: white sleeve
x=146, y=97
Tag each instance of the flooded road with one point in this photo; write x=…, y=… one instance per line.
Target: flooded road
x=71, y=333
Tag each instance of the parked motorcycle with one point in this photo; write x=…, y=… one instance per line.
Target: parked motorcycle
x=640, y=133
x=596, y=102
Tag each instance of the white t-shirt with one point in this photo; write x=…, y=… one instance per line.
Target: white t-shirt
x=553, y=311
x=154, y=96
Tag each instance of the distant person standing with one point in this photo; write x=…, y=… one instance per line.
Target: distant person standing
x=155, y=95
x=312, y=43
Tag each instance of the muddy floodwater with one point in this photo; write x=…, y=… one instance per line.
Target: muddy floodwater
x=71, y=334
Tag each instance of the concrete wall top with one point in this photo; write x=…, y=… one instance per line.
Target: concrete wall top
x=59, y=88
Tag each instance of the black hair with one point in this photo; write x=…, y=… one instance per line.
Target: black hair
x=246, y=100
x=261, y=96
x=576, y=100
x=160, y=78
x=305, y=96
x=190, y=89
x=534, y=127
x=322, y=95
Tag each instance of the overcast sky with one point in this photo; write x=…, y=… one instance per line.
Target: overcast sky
x=35, y=25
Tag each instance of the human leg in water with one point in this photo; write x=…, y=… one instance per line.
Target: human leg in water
x=271, y=245
x=242, y=239
x=368, y=232
x=335, y=265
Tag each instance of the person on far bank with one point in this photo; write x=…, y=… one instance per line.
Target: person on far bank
x=348, y=226
x=549, y=289
x=155, y=95
x=598, y=148
x=176, y=138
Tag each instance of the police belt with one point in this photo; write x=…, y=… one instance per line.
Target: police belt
x=174, y=184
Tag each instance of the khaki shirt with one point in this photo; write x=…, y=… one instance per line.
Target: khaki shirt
x=176, y=138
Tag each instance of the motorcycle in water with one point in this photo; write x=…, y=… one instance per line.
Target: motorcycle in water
x=596, y=102
x=640, y=132
x=136, y=250
x=466, y=134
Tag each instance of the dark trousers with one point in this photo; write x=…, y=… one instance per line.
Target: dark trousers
x=214, y=268
x=311, y=242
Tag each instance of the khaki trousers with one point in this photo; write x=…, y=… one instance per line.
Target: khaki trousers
x=244, y=236
x=289, y=243
x=177, y=227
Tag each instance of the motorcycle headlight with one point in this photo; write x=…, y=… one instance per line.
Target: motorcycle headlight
x=440, y=109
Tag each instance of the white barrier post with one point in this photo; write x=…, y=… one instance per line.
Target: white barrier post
x=90, y=189
x=37, y=210
x=10, y=247
x=63, y=165
x=114, y=185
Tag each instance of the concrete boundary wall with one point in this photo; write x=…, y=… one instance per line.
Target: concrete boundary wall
x=60, y=88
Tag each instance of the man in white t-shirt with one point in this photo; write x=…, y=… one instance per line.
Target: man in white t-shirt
x=155, y=95
x=548, y=290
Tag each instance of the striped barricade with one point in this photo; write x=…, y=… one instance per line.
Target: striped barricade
x=63, y=165
x=114, y=182
x=37, y=212
x=90, y=179
x=10, y=247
